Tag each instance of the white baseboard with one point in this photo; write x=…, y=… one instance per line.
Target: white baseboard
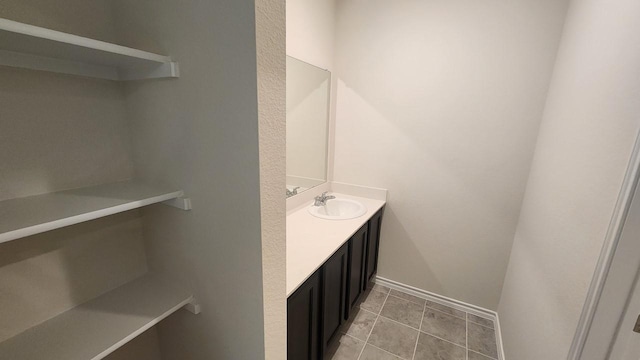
x=499, y=338
x=453, y=303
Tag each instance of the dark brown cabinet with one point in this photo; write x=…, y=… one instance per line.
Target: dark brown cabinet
x=357, y=252
x=304, y=320
x=373, y=247
x=318, y=308
x=334, y=295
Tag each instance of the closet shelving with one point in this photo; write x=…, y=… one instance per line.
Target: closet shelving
x=94, y=329
x=32, y=47
x=98, y=327
x=32, y=215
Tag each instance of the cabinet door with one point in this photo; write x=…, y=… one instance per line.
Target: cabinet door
x=373, y=247
x=303, y=321
x=357, y=252
x=334, y=296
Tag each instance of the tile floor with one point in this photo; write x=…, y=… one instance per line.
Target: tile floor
x=392, y=325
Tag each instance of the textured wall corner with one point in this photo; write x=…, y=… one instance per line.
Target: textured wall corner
x=271, y=69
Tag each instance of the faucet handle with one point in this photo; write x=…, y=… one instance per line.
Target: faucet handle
x=292, y=192
x=324, y=194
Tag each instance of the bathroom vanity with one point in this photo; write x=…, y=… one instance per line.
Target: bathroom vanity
x=333, y=240
x=330, y=263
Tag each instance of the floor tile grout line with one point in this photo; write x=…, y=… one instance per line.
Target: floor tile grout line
x=445, y=340
x=378, y=315
x=353, y=337
x=446, y=313
x=426, y=302
x=477, y=323
x=365, y=344
x=415, y=348
x=413, y=302
x=484, y=326
x=466, y=318
x=488, y=318
x=369, y=311
x=424, y=332
x=390, y=353
x=364, y=301
x=487, y=356
x=424, y=309
x=374, y=325
x=429, y=299
x=466, y=329
x=383, y=304
x=398, y=322
x=495, y=336
x=367, y=340
x=423, y=302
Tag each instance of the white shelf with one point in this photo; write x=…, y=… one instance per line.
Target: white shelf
x=95, y=329
x=36, y=214
x=32, y=47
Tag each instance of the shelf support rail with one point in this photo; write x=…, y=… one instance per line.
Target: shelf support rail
x=182, y=203
x=193, y=307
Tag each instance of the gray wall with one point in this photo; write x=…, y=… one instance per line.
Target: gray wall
x=590, y=123
x=200, y=133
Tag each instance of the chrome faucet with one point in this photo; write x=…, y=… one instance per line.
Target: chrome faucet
x=293, y=192
x=321, y=200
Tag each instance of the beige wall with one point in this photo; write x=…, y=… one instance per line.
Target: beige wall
x=440, y=102
x=310, y=31
x=271, y=65
x=590, y=123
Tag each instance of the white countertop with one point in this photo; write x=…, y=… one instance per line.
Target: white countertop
x=311, y=240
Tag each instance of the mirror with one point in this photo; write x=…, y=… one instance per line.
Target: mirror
x=308, y=90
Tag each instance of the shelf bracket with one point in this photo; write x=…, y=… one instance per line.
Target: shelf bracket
x=183, y=203
x=193, y=307
x=165, y=70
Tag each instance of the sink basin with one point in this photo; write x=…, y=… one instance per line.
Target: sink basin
x=338, y=209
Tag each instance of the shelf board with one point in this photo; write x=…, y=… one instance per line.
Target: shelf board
x=32, y=47
x=96, y=328
x=32, y=215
